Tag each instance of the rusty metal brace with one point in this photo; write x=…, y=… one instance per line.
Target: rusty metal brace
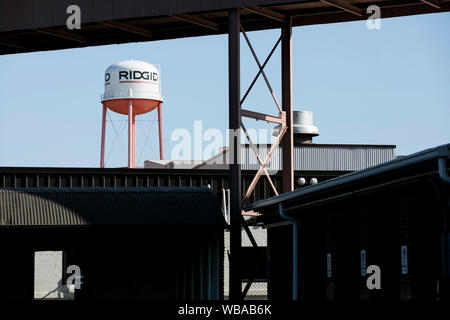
x=281, y=119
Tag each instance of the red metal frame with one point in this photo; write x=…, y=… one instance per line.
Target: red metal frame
x=161, y=151
x=102, y=153
x=281, y=119
x=131, y=135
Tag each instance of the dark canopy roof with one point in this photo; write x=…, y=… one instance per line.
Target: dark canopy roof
x=403, y=171
x=106, y=206
x=29, y=25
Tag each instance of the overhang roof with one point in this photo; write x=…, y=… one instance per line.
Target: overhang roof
x=108, y=206
x=419, y=165
x=28, y=26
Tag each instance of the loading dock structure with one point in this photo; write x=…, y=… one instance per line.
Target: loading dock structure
x=394, y=215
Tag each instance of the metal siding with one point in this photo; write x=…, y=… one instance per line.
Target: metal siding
x=321, y=158
x=116, y=178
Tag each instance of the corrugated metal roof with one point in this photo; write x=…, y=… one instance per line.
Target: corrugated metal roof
x=103, y=206
x=316, y=157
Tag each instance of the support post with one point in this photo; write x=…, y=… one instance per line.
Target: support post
x=134, y=140
x=130, y=134
x=235, y=141
x=286, y=91
x=279, y=281
x=161, y=151
x=102, y=147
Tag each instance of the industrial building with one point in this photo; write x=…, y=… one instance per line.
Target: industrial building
x=378, y=211
x=147, y=233
x=394, y=215
x=129, y=243
x=326, y=162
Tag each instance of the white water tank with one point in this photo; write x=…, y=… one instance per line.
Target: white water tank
x=131, y=79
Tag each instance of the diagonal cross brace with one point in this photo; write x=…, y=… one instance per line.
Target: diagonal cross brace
x=116, y=137
x=261, y=68
x=266, y=160
x=259, y=116
x=258, y=157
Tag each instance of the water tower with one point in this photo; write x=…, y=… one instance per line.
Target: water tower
x=131, y=88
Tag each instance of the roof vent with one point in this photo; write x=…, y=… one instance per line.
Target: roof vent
x=304, y=128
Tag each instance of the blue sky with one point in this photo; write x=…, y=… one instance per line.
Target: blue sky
x=388, y=86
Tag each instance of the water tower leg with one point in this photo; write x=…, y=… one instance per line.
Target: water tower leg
x=161, y=155
x=134, y=139
x=130, y=134
x=102, y=151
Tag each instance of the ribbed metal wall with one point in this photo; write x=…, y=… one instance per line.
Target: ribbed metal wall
x=322, y=157
x=202, y=270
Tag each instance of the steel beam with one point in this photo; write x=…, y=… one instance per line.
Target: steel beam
x=198, y=21
x=261, y=116
x=64, y=35
x=235, y=141
x=432, y=3
x=286, y=92
x=268, y=13
x=345, y=6
x=11, y=44
x=127, y=27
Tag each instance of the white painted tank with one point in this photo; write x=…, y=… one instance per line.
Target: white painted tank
x=136, y=80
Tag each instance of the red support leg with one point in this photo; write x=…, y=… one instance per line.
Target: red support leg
x=134, y=139
x=130, y=134
x=102, y=151
x=161, y=155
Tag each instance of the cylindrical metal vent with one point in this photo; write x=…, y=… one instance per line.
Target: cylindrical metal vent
x=303, y=127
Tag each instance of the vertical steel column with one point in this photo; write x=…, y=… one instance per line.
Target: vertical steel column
x=130, y=134
x=102, y=147
x=161, y=151
x=288, y=142
x=286, y=91
x=235, y=141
